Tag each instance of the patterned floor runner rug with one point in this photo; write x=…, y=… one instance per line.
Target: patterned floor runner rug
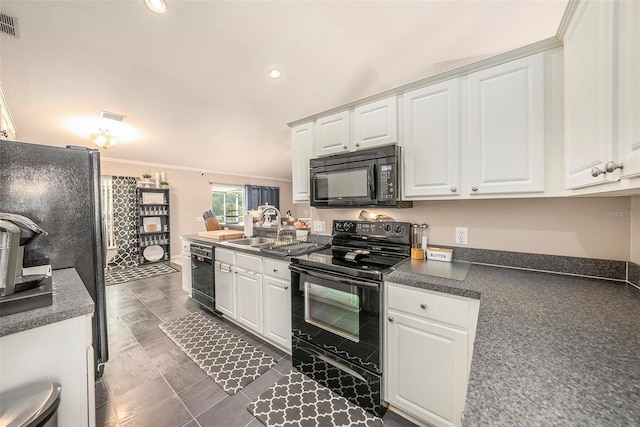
x=114, y=277
x=296, y=400
x=230, y=361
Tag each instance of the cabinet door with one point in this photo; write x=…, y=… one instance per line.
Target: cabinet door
x=7, y=125
x=629, y=87
x=506, y=128
x=426, y=369
x=332, y=134
x=302, y=141
x=588, y=82
x=225, y=295
x=186, y=272
x=431, y=147
x=277, y=311
x=375, y=124
x=249, y=300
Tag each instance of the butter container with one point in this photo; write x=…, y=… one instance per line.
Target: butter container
x=439, y=254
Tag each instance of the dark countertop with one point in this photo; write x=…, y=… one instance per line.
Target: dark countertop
x=550, y=349
x=222, y=244
x=70, y=299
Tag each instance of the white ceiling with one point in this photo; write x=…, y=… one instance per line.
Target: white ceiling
x=193, y=82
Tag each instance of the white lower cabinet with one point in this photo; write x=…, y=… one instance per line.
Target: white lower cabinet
x=249, y=302
x=186, y=266
x=254, y=292
x=225, y=283
x=428, y=347
x=277, y=303
x=225, y=289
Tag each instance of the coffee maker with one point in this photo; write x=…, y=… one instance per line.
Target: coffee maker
x=21, y=288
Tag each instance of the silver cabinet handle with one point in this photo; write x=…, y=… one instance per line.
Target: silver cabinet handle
x=423, y=306
x=454, y=189
x=357, y=144
x=275, y=270
x=344, y=147
x=474, y=188
x=390, y=318
x=609, y=167
x=286, y=287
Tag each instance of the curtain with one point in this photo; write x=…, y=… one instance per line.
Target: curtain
x=125, y=217
x=256, y=195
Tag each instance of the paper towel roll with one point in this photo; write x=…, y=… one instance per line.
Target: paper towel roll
x=248, y=225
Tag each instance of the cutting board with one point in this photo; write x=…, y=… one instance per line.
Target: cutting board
x=221, y=234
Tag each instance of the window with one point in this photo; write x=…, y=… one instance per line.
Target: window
x=107, y=211
x=227, y=203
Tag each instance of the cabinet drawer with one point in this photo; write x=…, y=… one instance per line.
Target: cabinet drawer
x=226, y=256
x=436, y=306
x=277, y=269
x=249, y=262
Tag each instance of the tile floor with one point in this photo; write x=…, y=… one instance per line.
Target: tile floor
x=149, y=381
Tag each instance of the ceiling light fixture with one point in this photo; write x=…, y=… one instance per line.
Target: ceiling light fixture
x=102, y=139
x=275, y=73
x=157, y=6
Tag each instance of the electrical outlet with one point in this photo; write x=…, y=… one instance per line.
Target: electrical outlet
x=462, y=235
x=320, y=226
x=199, y=219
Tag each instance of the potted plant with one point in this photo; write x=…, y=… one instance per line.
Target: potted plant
x=164, y=184
x=146, y=180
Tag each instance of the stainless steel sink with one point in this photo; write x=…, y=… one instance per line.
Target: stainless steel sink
x=250, y=241
x=255, y=243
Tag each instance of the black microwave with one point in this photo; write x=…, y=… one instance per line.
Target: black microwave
x=363, y=178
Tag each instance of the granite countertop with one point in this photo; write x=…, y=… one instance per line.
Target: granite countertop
x=70, y=299
x=550, y=349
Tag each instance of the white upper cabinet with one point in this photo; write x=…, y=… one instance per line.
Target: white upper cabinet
x=629, y=87
x=7, y=125
x=431, y=143
x=588, y=86
x=333, y=134
x=375, y=124
x=302, y=140
x=506, y=147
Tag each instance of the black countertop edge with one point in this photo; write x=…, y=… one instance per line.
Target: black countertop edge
x=70, y=299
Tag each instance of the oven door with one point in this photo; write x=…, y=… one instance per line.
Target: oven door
x=338, y=314
x=349, y=184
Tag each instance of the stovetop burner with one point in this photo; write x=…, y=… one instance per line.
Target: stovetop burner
x=362, y=249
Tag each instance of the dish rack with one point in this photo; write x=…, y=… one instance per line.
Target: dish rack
x=287, y=245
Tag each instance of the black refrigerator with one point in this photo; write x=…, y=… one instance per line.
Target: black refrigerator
x=59, y=189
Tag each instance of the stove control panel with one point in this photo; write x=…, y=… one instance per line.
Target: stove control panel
x=372, y=228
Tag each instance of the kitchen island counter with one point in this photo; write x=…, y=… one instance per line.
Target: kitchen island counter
x=550, y=349
x=70, y=300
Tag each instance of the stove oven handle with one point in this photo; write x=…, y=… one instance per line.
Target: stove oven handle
x=335, y=364
x=343, y=280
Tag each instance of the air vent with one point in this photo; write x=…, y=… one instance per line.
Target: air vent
x=8, y=25
x=112, y=116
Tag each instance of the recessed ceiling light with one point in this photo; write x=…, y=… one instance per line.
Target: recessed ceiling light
x=158, y=6
x=275, y=73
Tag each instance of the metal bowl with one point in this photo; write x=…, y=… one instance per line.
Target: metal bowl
x=289, y=221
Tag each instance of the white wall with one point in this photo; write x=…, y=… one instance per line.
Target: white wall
x=190, y=194
x=583, y=227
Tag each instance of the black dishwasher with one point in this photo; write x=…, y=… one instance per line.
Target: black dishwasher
x=202, y=278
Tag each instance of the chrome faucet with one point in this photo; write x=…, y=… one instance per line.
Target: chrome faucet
x=278, y=219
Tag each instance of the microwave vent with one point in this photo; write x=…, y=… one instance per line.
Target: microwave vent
x=8, y=25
